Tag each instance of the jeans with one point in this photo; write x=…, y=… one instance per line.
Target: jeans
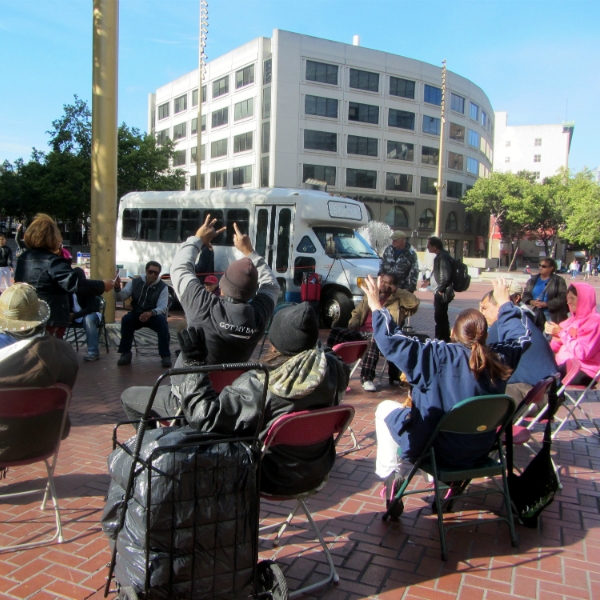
x=5, y=277
x=130, y=323
x=440, y=314
x=91, y=323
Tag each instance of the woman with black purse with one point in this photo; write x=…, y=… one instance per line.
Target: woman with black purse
x=546, y=294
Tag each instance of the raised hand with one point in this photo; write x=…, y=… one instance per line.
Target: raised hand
x=501, y=291
x=207, y=231
x=242, y=242
x=371, y=289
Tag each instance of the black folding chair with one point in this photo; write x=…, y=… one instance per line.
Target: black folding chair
x=78, y=327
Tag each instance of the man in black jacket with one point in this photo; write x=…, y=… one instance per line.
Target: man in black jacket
x=443, y=292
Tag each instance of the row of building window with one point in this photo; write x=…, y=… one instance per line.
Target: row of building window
x=398, y=217
x=536, y=142
x=241, y=143
x=221, y=178
x=536, y=158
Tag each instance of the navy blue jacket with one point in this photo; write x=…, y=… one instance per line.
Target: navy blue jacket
x=441, y=378
x=537, y=361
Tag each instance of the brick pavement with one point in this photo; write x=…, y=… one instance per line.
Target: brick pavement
x=561, y=559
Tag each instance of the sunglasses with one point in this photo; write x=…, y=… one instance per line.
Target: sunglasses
x=545, y=267
x=151, y=272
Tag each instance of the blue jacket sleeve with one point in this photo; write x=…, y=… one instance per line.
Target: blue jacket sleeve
x=514, y=335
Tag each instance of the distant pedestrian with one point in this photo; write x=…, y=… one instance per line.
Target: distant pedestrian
x=5, y=263
x=587, y=270
x=574, y=268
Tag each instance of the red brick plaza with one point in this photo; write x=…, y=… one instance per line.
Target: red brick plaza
x=393, y=560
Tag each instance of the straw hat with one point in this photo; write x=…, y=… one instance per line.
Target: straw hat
x=398, y=235
x=21, y=309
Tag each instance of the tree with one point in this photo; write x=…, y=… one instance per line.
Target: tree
x=582, y=210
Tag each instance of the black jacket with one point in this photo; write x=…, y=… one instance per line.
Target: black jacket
x=235, y=410
x=5, y=256
x=442, y=273
x=557, y=296
x=54, y=279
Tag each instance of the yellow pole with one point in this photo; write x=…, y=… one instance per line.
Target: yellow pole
x=440, y=182
x=104, y=144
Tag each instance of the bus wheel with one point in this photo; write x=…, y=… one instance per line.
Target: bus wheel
x=337, y=309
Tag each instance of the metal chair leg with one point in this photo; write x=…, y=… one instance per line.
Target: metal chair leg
x=355, y=445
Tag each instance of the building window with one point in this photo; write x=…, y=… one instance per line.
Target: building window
x=433, y=95
x=195, y=97
x=220, y=117
x=362, y=145
x=242, y=175
x=474, y=139
x=472, y=166
x=428, y=185
x=320, y=140
x=194, y=125
x=508, y=144
x=179, y=131
x=401, y=151
x=451, y=222
x=430, y=156
x=485, y=120
x=396, y=217
x=179, y=158
x=163, y=111
x=266, y=137
x=398, y=182
x=457, y=103
x=538, y=141
x=244, y=109
x=474, y=111
x=427, y=218
x=361, y=178
x=319, y=173
x=267, y=71
x=242, y=142
x=266, y=103
x=537, y=158
x=507, y=159
x=321, y=107
x=193, y=181
x=194, y=153
x=403, y=88
x=218, y=179
x=431, y=125
x=218, y=148
x=264, y=171
x=220, y=88
x=365, y=113
x=244, y=77
x=401, y=118
x=455, y=161
x=364, y=80
x=321, y=72
x=162, y=136
x=453, y=190
x=468, y=223
x=536, y=174
x=180, y=104
x=457, y=133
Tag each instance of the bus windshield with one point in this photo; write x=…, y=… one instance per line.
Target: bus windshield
x=339, y=242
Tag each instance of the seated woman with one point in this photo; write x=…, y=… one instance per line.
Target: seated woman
x=442, y=375
x=578, y=336
x=305, y=376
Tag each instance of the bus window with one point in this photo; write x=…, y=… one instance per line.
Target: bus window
x=168, y=225
x=262, y=230
x=306, y=246
x=190, y=223
x=303, y=264
x=149, y=225
x=241, y=218
x=130, y=223
x=283, y=240
x=218, y=215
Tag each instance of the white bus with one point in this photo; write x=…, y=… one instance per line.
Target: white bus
x=295, y=230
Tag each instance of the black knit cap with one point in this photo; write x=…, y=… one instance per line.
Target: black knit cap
x=294, y=329
x=240, y=280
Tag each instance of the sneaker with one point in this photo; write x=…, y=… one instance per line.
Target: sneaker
x=391, y=485
x=91, y=357
x=166, y=362
x=369, y=386
x=125, y=359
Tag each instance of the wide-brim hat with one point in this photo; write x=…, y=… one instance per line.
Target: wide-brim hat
x=21, y=309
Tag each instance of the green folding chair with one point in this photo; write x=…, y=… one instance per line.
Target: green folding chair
x=471, y=417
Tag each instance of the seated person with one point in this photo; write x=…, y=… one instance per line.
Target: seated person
x=149, y=306
x=442, y=375
x=85, y=312
x=536, y=363
x=400, y=303
x=578, y=336
x=33, y=359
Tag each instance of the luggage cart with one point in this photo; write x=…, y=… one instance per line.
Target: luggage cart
x=183, y=510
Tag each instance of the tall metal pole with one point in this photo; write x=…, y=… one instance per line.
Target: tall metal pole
x=440, y=182
x=201, y=67
x=104, y=144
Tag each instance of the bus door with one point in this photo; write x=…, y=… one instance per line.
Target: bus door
x=273, y=239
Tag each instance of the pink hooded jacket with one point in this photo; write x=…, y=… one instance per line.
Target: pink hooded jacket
x=580, y=333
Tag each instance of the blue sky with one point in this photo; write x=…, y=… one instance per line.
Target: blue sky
x=536, y=59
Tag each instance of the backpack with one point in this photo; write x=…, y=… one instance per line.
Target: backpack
x=461, y=280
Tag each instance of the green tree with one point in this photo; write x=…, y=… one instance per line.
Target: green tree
x=582, y=210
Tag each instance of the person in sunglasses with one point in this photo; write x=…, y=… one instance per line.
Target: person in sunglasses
x=149, y=305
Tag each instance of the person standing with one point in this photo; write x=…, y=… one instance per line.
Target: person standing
x=400, y=259
x=547, y=292
x=443, y=292
x=5, y=263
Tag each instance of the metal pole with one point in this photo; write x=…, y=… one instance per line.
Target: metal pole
x=201, y=67
x=440, y=182
x=104, y=144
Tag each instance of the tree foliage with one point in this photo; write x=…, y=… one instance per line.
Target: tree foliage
x=582, y=208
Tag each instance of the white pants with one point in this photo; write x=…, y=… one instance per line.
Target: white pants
x=388, y=460
x=5, y=277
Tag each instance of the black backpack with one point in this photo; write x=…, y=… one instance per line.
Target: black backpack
x=461, y=280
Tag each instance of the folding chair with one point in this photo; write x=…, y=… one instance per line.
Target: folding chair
x=277, y=308
x=27, y=406
x=304, y=429
x=75, y=327
x=471, y=417
x=219, y=380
